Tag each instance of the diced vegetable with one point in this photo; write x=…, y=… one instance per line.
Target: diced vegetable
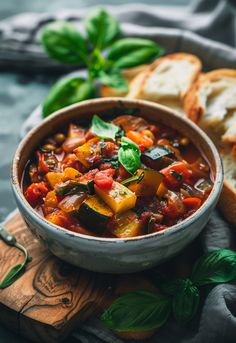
x=51, y=200
x=72, y=203
x=148, y=185
x=36, y=192
x=60, y=218
x=103, y=178
x=94, y=212
x=162, y=190
x=89, y=152
x=73, y=187
x=128, y=122
x=141, y=138
x=175, y=207
x=192, y=203
x=125, y=225
x=119, y=198
x=158, y=157
x=68, y=174
x=76, y=137
x=176, y=174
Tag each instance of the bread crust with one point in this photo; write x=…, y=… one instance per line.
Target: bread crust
x=195, y=111
x=192, y=105
x=138, y=84
x=227, y=202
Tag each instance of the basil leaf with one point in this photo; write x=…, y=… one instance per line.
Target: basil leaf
x=64, y=43
x=67, y=91
x=113, y=79
x=215, y=267
x=137, y=311
x=12, y=276
x=185, y=301
x=103, y=129
x=129, y=155
x=130, y=52
x=101, y=28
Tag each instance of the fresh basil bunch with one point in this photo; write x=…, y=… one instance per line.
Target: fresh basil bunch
x=145, y=310
x=65, y=44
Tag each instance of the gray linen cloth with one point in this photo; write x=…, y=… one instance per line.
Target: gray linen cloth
x=215, y=19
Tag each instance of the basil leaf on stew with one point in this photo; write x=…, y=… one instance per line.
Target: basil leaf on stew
x=64, y=43
x=215, y=267
x=137, y=311
x=114, y=79
x=67, y=91
x=129, y=155
x=101, y=27
x=103, y=129
x=185, y=301
x=130, y=52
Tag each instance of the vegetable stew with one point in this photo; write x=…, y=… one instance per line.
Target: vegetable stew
x=121, y=178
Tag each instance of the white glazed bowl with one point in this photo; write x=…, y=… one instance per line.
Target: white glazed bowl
x=111, y=255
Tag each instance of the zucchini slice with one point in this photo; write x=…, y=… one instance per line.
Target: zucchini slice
x=94, y=213
x=149, y=183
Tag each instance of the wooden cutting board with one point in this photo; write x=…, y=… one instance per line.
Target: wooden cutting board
x=52, y=297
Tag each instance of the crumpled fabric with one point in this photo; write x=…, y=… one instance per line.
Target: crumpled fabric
x=212, y=19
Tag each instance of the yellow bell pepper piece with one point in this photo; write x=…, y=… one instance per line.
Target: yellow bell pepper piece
x=51, y=199
x=119, y=197
x=149, y=183
x=71, y=174
x=88, y=150
x=68, y=174
x=162, y=190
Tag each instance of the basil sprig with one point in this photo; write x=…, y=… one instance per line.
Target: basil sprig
x=15, y=272
x=138, y=311
x=103, y=129
x=129, y=155
x=65, y=44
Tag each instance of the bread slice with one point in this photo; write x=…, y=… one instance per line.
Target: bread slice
x=211, y=103
x=167, y=80
x=129, y=74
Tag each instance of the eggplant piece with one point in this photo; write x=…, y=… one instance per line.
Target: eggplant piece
x=158, y=157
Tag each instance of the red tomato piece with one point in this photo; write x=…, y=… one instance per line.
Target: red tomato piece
x=103, y=178
x=174, y=208
x=192, y=203
x=176, y=174
x=36, y=192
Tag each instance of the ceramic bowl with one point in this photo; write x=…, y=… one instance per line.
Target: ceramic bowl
x=111, y=255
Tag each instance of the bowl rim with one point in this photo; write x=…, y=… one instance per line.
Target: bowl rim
x=215, y=192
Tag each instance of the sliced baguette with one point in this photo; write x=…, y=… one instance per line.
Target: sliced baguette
x=211, y=103
x=167, y=80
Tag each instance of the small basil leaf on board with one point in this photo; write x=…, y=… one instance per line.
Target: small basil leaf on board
x=114, y=79
x=103, y=129
x=215, y=267
x=137, y=311
x=185, y=301
x=129, y=155
x=64, y=43
x=14, y=273
x=101, y=27
x=67, y=91
x=130, y=52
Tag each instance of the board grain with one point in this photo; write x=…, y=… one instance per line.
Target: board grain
x=52, y=297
